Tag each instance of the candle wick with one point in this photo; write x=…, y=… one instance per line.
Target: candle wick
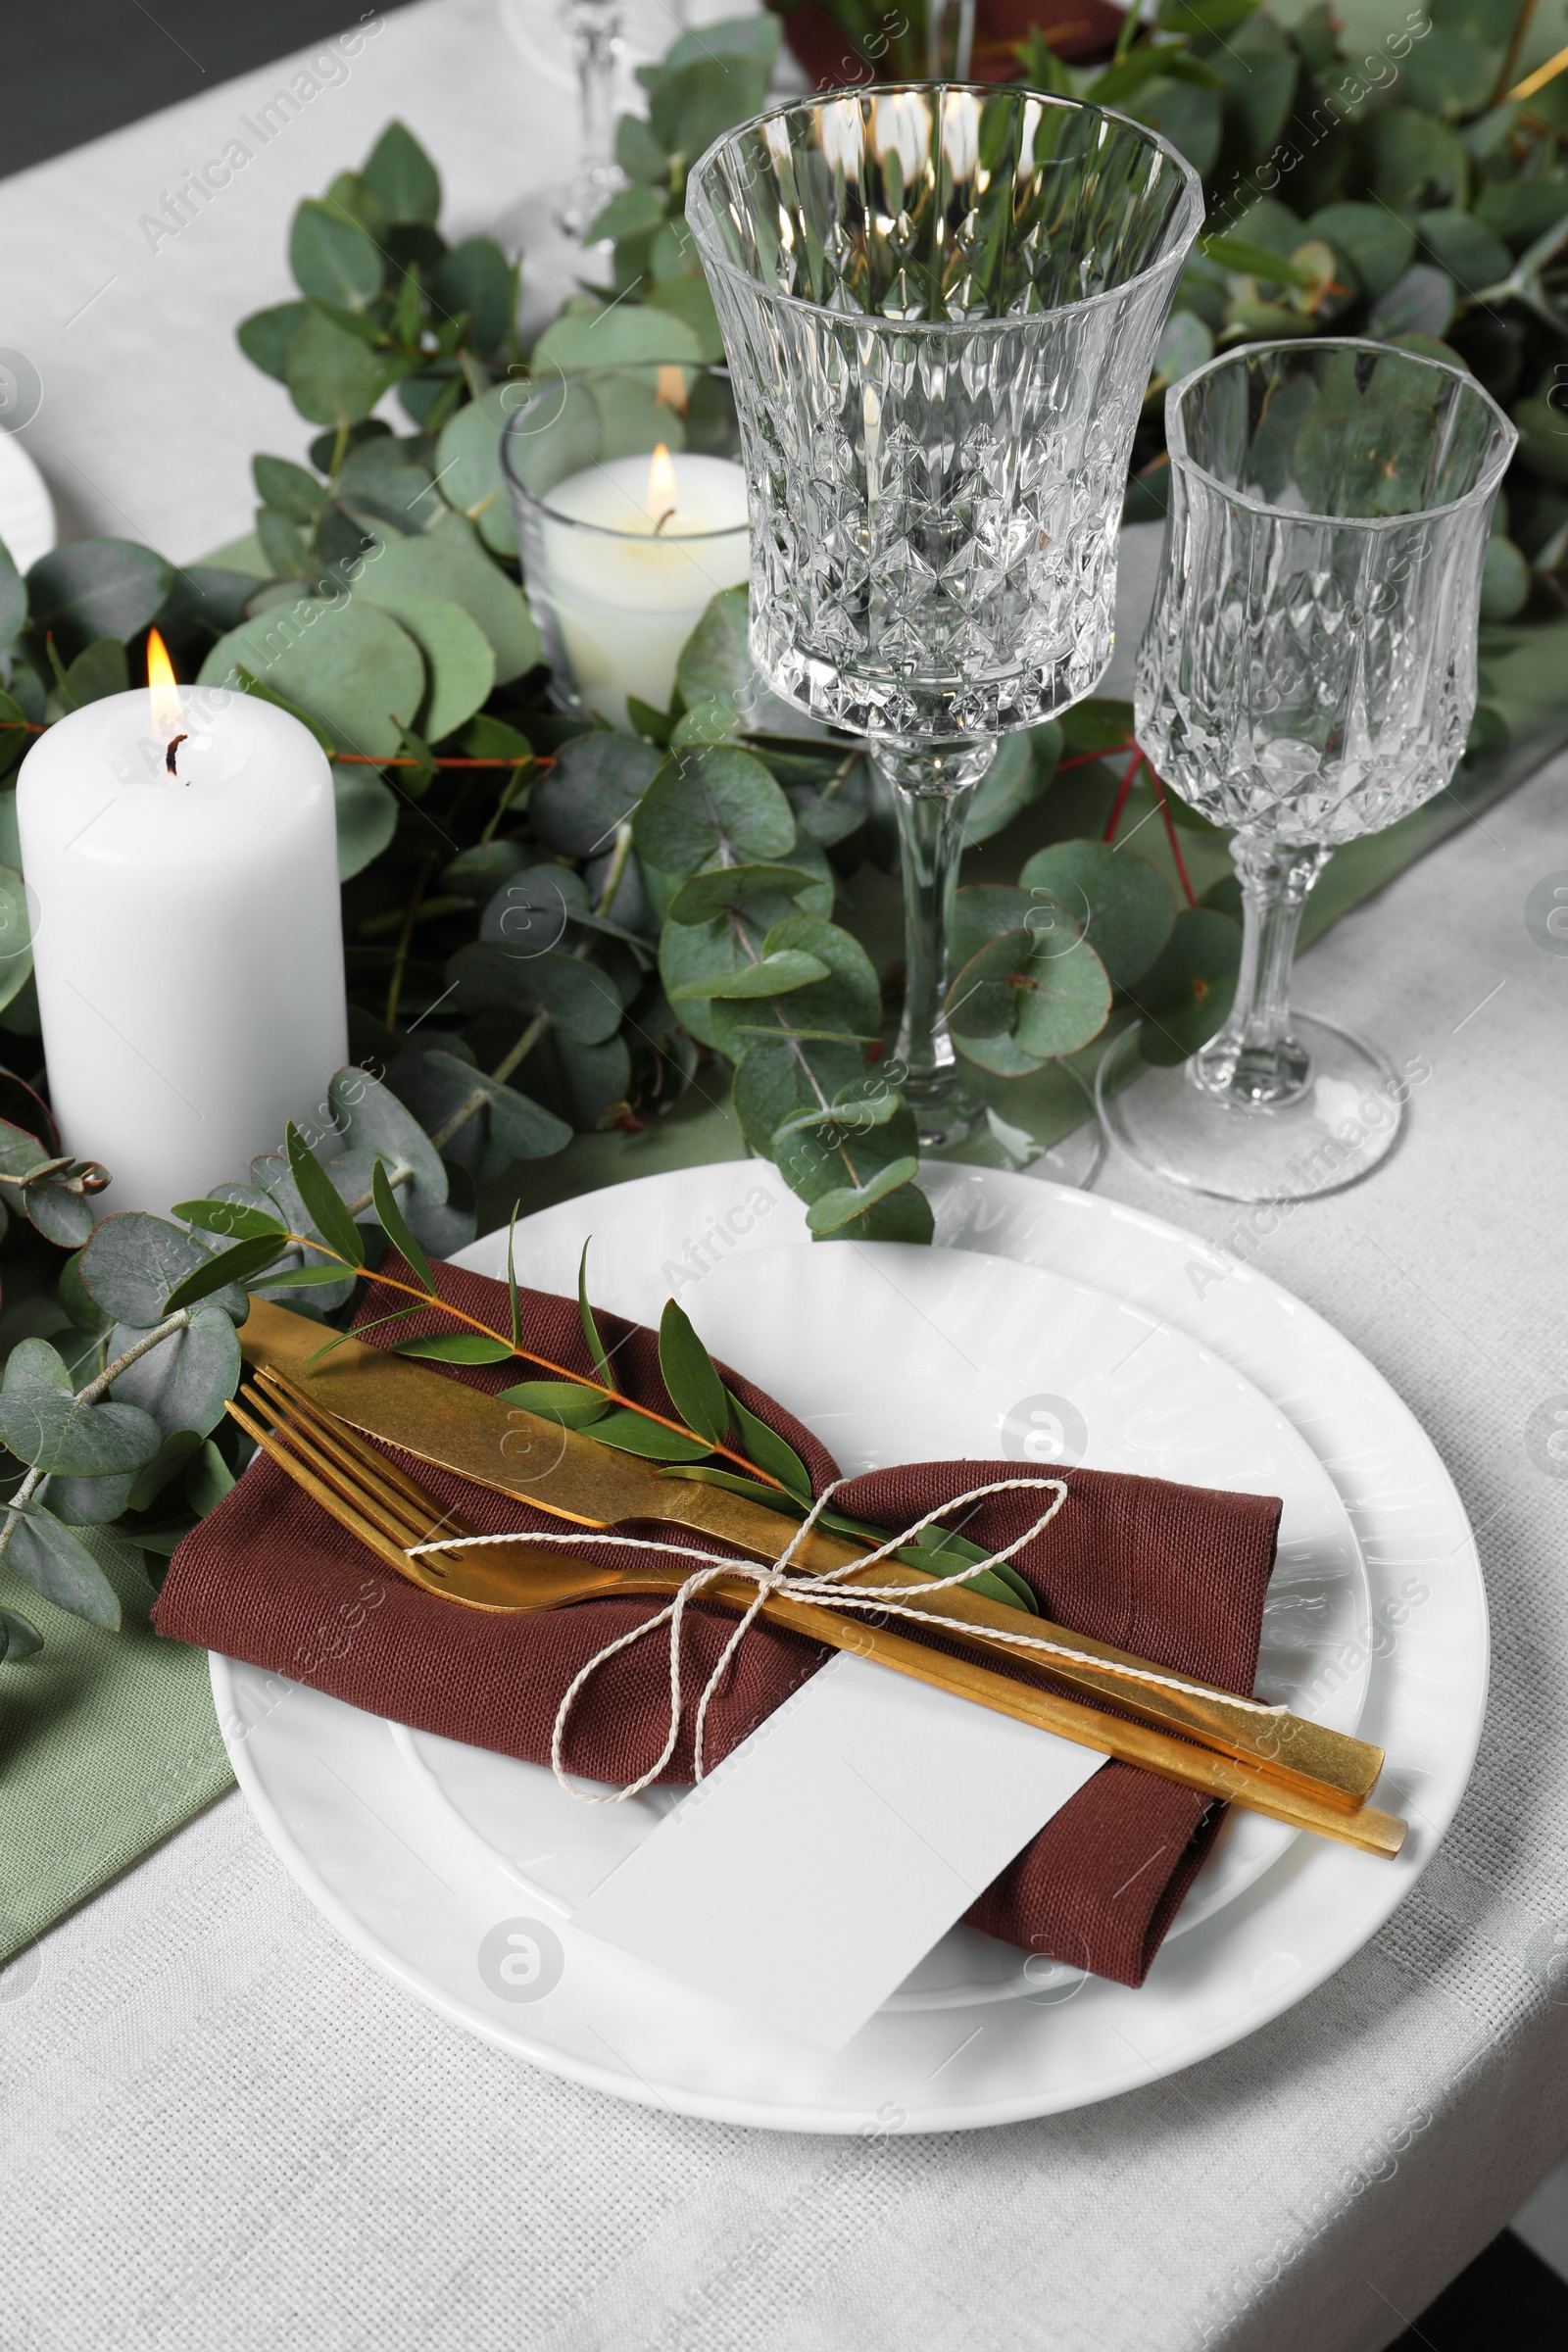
x=169, y=756
x=662, y=520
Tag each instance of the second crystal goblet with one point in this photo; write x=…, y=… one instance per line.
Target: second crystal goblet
x=940, y=305
x=1308, y=674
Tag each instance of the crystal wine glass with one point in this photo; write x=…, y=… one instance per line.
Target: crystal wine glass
x=940, y=305
x=1308, y=675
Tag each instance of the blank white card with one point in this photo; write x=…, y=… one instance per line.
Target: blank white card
x=807, y=1875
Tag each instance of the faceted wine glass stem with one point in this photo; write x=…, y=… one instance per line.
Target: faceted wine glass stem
x=595, y=26
x=931, y=787
x=1254, y=1059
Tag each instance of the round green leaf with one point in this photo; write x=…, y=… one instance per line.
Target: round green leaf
x=1504, y=580
x=335, y=377
x=459, y=660
x=467, y=467
x=716, y=660
x=1465, y=247
x=449, y=562
x=1377, y=245
x=628, y=336
x=772, y=976
x=711, y=800
x=1060, y=1002
x=402, y=175
x=578, y=994
x=267, y=337
x=348, y=666
x=709, y=892
x=849, y=999
x=504, y=1126
x=57, y=1564
x=1114, y=899
x=52, y=1430
x=372, y=1121
x=184, y=1381
x=476, y=278
x=133, y=1262
x=834, y=1209
x=596, y=783
x=96, y=588
x=331, y=257
x=367, y=818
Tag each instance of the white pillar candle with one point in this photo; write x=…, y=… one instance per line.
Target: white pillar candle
x=634, y=551
x=187, y=935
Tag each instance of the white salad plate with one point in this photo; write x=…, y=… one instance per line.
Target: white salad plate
x=1048, y=1326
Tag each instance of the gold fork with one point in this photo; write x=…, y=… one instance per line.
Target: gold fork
x=388, y=1511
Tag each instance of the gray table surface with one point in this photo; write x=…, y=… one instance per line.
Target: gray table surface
x=223, y=2128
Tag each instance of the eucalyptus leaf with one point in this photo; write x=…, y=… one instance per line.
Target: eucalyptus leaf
x=459, y=659
x=335, y=377
x=331, y=257
x=133, y=1262
x=768, y=1451
x=475, y=279
x=596, y=783
x=1187, y=990
x=709, y=801
x=370, y=1118
x=631, y=1433
x=627, y=336
x=96, y=588
x=468, y=468
x=348, y=665
x=568, y=1401
x=366, y=812
x=185, y=1381
x=403, y=177
x=1114, y=899
x=457, y=1347
x=449, y=562
x=576, y=993
x=267, y=337
x=55, y=1561
x=54, y=1431
x=695, y=1389
x=716, y=661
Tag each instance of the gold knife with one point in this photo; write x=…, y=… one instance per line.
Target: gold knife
x=568, y=1474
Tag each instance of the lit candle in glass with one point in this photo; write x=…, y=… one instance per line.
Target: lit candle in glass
x=622, y=555
x=179, y=849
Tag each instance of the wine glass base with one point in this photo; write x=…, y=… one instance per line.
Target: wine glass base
x=1347, y=1122
x=946, y=1110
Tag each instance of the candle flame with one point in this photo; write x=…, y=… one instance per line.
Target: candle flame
x=163, y=695
x=662, y=493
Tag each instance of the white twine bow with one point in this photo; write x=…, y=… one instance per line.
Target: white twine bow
x=825, y=1592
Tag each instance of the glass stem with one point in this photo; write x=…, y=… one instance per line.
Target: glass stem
x=940, y=65
x=1254, y=1058
x=595, y=40
x=932, y=788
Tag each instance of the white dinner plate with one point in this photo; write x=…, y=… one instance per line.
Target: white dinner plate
x=430, y=1855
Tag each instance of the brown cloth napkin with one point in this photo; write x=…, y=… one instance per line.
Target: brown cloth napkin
x=1174, y=1572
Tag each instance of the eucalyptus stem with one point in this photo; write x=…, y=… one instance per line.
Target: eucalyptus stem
x=522, y=1049
x=95, y=1388
x=394, y=988
x=526, y=1355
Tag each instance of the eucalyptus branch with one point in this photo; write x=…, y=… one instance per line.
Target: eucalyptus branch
x=95, y=1388
x=526, y=1355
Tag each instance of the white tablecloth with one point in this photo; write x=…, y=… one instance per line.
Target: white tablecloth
x=223, y=2129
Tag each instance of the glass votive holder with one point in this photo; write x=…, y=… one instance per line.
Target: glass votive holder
x=630, y=501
